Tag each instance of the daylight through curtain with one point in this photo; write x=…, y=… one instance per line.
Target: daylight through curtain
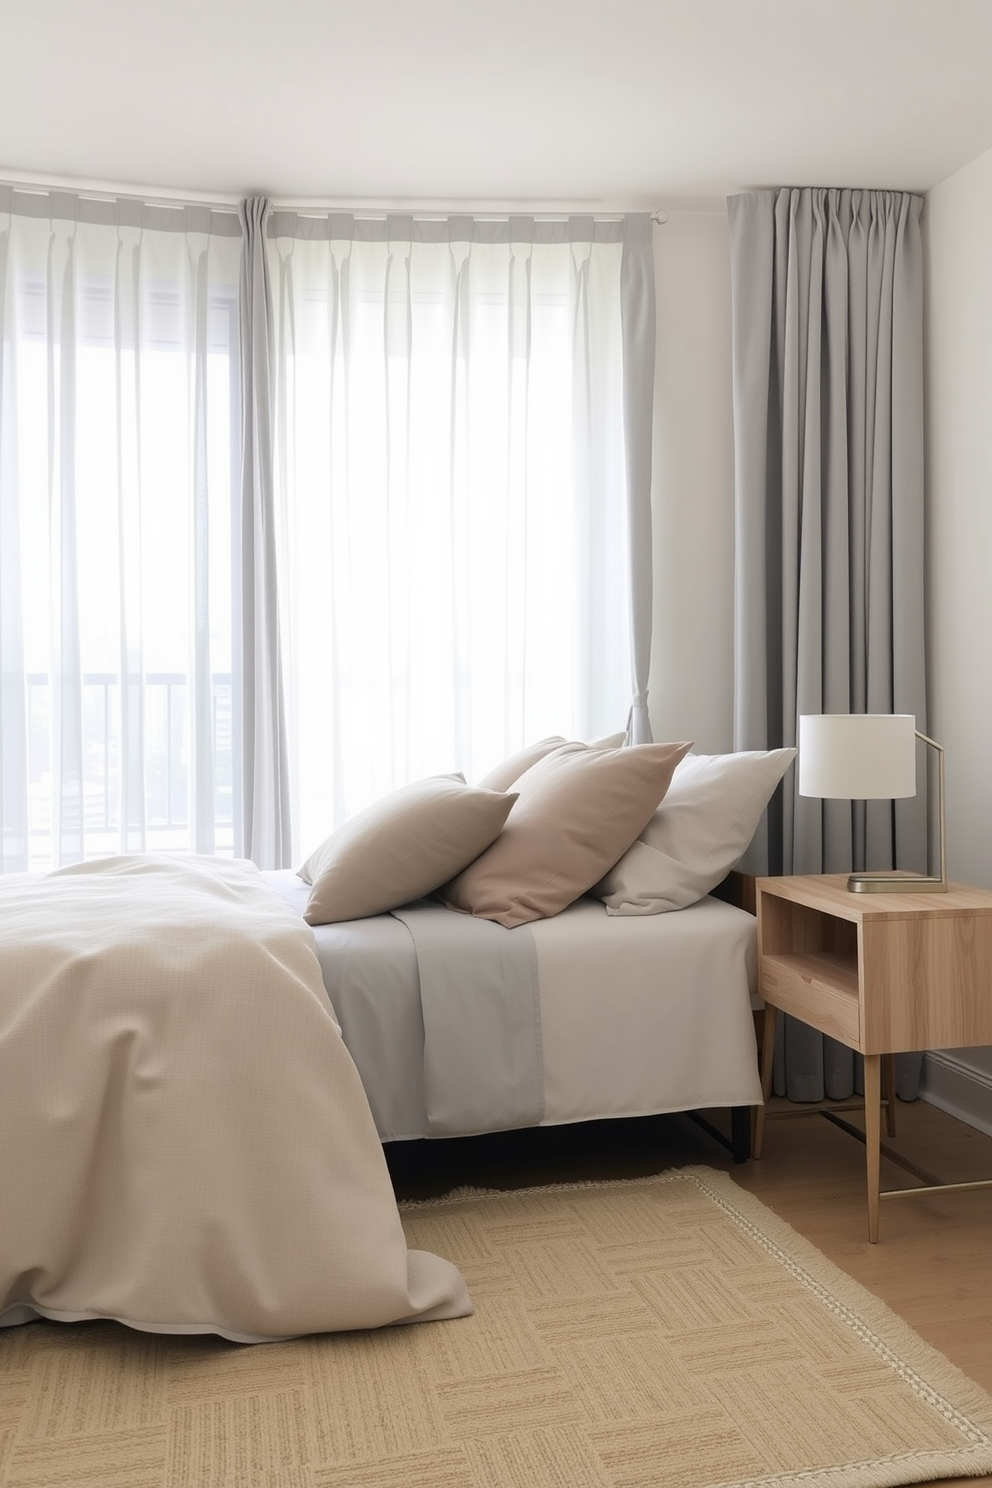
x=453, y=495
x=118, y=405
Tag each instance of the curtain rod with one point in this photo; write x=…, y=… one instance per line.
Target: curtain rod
x=436, y=213
x=107, y=192
x=157, y=198
x=104, y=191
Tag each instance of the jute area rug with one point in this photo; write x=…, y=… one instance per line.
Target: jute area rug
x=663, y=1331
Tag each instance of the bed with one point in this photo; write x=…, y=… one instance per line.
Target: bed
x=200, y=1063
x=185, y=1145
x=565, y=989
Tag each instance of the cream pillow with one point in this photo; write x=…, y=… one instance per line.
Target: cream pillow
x=401, y=848
x=698, y=833
x=577, y=810
x=501, y=777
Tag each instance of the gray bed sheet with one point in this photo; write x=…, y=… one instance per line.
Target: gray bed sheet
x=440, y=1012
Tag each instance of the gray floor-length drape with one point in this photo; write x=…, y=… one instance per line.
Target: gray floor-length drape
x=637, y=310
x=265, y=778
x=827, y=292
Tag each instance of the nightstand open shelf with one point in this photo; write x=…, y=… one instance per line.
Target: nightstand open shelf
x=824, y=984
x=883, y=974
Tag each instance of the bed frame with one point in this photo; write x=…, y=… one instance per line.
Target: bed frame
x=737, y=889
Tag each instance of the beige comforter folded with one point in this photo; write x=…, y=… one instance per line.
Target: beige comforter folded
x=185, y=1144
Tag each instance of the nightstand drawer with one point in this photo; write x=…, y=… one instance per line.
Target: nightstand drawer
x=819, y=988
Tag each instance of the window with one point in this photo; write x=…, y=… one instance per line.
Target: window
x=117, y=438
x=439, y=512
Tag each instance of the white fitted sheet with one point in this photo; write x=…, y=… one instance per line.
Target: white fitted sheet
x=647, y=1013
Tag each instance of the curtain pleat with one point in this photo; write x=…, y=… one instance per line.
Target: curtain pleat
x=127, y=320
x=637, y=303
x=201, y=761
x=828, y=419
x=14, y=814
x=67, y=678
x=265, y=780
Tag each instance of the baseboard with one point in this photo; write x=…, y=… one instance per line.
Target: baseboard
x=958, y=1088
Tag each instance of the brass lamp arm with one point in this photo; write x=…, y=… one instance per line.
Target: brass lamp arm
x=912, y=883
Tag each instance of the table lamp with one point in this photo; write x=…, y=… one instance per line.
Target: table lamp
x=869, y=757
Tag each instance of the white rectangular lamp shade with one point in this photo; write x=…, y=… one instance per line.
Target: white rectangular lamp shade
x=869, y=757
x=857, y=756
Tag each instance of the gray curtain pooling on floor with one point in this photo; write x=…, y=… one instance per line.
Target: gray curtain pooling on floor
x=827, y=292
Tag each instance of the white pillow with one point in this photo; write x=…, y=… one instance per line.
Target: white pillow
x=709, y=815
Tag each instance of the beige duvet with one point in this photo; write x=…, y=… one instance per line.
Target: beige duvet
x=185, y=1144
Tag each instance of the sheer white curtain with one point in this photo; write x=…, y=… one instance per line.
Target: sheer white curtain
x=452, y=498
x=118, y=458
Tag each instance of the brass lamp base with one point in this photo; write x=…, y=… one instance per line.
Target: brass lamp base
x=895, y=883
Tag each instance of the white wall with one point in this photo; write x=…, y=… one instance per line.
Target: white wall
x=691, y=688
x=958, y=244
x=958, y=225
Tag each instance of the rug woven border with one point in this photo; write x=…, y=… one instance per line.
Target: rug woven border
x=944, y=1387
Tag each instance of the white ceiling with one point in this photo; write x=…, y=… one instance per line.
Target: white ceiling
x=624, y=103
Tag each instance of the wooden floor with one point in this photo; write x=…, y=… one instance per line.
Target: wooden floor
x=933, y=1265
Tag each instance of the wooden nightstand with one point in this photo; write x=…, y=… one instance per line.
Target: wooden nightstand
x=882, y=973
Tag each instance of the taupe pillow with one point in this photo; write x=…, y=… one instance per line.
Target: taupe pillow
x=577, y=811
x=401, y=848
x=501, y=777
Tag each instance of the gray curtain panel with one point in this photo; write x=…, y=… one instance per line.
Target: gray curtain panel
x=827, y=290
x=637, y=311
x=265, y=777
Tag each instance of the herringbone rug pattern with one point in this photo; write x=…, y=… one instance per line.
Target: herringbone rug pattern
x=661, y=1331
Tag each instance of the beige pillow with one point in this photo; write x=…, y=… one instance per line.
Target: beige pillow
x=577, y=811
x=501, y=777
x=401, y=848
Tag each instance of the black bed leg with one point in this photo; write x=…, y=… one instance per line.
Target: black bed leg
x=738, y=1144
x=740, y=1133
